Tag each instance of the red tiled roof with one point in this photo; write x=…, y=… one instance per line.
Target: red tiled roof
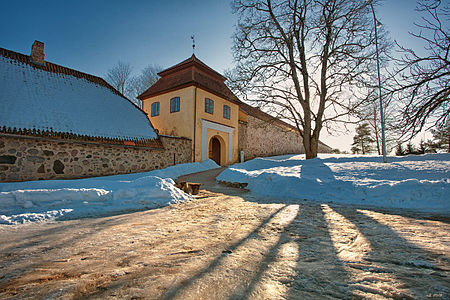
x=187, y=73
x=193, y=60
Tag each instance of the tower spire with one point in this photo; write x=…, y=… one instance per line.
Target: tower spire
x=193, y=44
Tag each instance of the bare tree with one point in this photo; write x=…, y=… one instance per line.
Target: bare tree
x=121, y=78
x=138, y=84
x=369, y=112
x=424, y=80
x=119, y=75
x=304, y=59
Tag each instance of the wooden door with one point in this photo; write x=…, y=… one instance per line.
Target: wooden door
x=214, y=150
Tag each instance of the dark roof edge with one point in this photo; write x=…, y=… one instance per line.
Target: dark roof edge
x=193, y=60
x=58, y=136
x=143, y=96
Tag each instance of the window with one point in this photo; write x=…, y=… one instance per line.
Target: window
x=226, y=112
x=155, y=109
x=209, y=106
x=175, y=104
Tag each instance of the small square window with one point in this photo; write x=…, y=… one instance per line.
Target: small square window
x=175, y=104
x=155, y=109
x=209, y=106
x=226, y=112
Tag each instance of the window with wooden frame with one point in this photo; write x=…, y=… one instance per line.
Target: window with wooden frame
x=226, y=112
x=155, y=109
x=175, y=104
x=209, y=106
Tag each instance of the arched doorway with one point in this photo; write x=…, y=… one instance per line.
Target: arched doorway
x=214, y=150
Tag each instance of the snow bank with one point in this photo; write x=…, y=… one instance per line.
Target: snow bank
x=23, y=202
x=419, y=182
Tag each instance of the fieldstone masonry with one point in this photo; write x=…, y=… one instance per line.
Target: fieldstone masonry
x=33, y=158
x=259, y=138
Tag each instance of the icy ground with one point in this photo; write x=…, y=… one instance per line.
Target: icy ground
x=33, y=201
x=419, y=182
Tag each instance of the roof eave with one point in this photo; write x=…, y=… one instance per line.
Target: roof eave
x=144, y=96
x=192, y=61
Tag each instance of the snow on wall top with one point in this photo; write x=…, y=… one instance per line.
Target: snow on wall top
x=31, y=98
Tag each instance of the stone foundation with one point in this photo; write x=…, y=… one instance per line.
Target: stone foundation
x=24, y=158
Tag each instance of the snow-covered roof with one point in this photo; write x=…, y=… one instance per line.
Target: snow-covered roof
x=53, y=98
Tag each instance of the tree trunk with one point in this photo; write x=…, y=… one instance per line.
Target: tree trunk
x=311, y=146
x=309, y=140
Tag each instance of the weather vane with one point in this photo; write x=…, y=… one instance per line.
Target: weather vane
x=193, y=44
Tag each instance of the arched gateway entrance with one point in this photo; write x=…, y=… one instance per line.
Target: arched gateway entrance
x=214, y=150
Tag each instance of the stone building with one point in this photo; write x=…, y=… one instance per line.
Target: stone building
x=56, y=122
x=192, y=100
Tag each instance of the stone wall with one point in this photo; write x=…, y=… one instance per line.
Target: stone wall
x=24, y=158
x=262, y=138
x=258, y=138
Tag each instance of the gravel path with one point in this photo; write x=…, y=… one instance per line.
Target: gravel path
x=227, y=244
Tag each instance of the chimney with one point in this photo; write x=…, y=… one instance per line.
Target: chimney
x=37, y=53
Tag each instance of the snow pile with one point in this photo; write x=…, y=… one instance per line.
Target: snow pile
x=33, y=98
x=412, y=182
x=23, y=202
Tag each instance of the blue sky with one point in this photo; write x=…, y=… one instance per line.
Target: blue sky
x=91, y=36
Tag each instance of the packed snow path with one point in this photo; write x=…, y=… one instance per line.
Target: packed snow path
x=228, y=244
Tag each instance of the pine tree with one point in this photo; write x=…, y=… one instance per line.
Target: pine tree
x=441, y=137
x=422, y=147
x=411, y=149
x=431, y=146
x=362, y=141
x=399, y=150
